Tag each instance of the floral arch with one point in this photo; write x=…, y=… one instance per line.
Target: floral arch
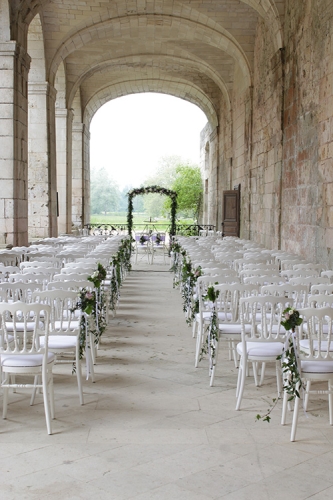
x=148, y=190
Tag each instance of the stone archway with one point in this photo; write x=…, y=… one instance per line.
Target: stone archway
x=148, y=190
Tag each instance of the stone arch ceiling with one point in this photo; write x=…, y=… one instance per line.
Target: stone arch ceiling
x=108, y=45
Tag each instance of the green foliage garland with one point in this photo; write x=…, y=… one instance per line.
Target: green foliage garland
x=212, y=337
x=293, y=379
x=148, y=190
x=92, y=304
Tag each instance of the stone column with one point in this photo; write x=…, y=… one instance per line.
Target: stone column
x=51, y=136
x=14, y=68
x=86, y=175
x=77, y=177
x=40, y=215
x=64, y=120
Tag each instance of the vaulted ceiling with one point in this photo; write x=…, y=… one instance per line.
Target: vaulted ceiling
x=189, y=48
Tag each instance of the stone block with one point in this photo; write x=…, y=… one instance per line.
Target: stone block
x=329, y=193
x=9, y=208
x=329, y=238
x=6, y=147
x=7, y=188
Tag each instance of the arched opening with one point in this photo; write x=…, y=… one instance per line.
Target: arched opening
x=157, y=127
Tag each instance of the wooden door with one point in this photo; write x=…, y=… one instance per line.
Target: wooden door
x=231, y=212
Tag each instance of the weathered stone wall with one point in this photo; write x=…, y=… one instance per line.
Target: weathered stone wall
x=307, y=181
x=241, y=130
x=282, y=137
x=265, y=174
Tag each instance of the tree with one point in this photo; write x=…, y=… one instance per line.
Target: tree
x=189, y=188
x=165, y=176
x=105, y=194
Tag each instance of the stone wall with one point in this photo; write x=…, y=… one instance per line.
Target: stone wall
x=266, y=164
x=307, y=181
x=282, y=137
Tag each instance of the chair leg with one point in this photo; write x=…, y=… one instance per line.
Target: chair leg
x=33, y=395
x=240, y=389
x=284, y=408
x=214, y=362
x=255, y=373
x=46, y=400
x=79, y=375
x=262, y=374
x=279, y=378
x=5, y=402
x=295, y=417
x=90, y=364
x=234, y=353
x=51, y=392
x=307, y=394
x=194, y=329
x=197, y=350
x=198, y=345
x=330, y=401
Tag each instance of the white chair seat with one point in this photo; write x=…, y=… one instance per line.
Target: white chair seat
x=224, y=328
x=317, y=367
x=304, y=344
x=25, y=361
x=208, y=314
x=60, y=341
x=262, y=349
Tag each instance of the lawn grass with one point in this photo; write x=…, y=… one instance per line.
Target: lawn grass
x=138, y=220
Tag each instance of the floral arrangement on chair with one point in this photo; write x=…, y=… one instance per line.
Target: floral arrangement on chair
x=291, y=320
x=143, y=239
x=212, y=337
x=98, y=276
x=92, y=303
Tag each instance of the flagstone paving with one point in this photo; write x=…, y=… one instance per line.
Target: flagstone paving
x=152, y=428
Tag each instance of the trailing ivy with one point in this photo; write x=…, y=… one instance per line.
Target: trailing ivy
x=289, y=360
x=93, y=306
x=212, y=337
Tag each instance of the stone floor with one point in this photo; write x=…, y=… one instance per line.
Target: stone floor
x=152, y=428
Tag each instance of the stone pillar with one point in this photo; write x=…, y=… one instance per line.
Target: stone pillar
x=64, y=120
x=69, y=153
x=14, y=68
x=77, y=178
x=86, y=175
x=40, y=213
x=51, y=135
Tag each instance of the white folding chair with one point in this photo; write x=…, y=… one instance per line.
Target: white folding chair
x=315, y=360
x=66, y=335
x=264, y=342
x=22, y=354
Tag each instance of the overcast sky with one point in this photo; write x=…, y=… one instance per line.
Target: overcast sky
x=130, y=134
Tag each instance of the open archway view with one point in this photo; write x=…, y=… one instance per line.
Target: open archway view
x=140, y=140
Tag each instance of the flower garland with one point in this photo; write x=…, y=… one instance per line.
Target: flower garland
x=93, y=305
x=98, y=276
x=119, y=262
x=289, y=359
x=177, y=252
x=209, y=346
x=148, y=190
x=189, y=280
